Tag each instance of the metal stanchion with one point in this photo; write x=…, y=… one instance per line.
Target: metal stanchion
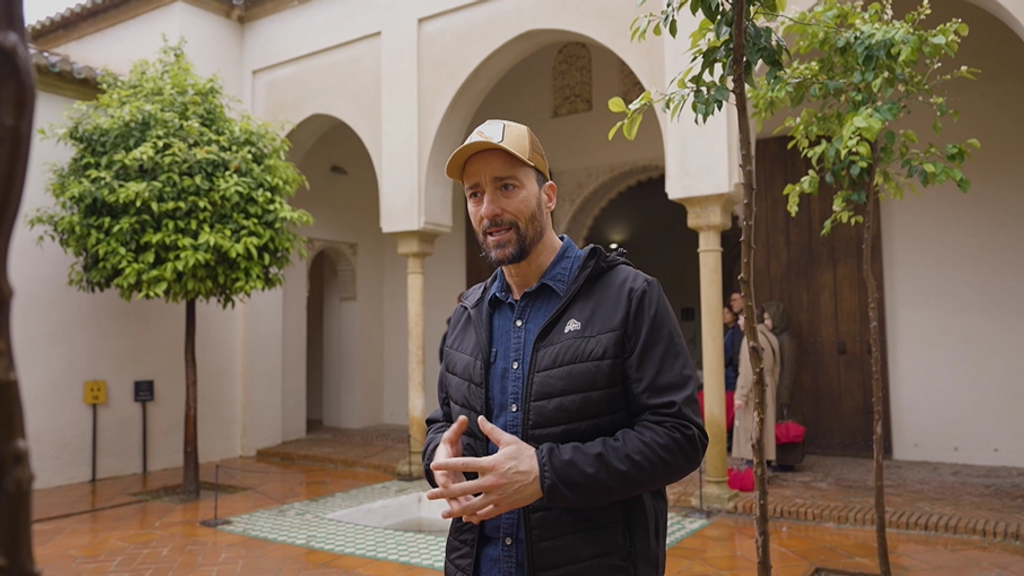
x=700, y=487
x=215, y=522
x=701, y=511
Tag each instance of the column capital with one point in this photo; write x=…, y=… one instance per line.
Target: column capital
x=709, y=213
x=416, y=243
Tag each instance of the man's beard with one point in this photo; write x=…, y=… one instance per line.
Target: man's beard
x=520, y=243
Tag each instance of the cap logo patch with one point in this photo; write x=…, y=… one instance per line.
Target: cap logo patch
x=490, y=131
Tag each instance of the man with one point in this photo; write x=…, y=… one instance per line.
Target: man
x=733, y=337
x=733, y=340
x=566, y=393
x=736, y=302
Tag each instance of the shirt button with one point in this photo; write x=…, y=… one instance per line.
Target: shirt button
x=515, y=365
x=514, y=408
x=508, y=540
x=519, y=323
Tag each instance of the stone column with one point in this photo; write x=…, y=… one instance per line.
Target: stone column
x=415, y=246
x=710, y=216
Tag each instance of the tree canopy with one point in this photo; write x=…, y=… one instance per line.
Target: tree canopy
x=855, y=71
x=171, y=193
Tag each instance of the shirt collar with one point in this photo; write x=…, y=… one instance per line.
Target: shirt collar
x=557, y=276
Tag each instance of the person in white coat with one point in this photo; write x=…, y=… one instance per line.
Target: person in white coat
x=743, y=433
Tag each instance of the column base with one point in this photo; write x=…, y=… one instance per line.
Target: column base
x=410, y=468
x=717, y=496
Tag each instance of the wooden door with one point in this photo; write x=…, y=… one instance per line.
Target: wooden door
x=820, y=282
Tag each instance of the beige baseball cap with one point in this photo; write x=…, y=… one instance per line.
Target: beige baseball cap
x=516, y=139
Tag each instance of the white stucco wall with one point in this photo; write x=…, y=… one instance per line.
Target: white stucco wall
x=953, y=267
x=345, y=209
x=342, y=82
x=444, y=280
x=62, y=337
x=573, y=142
x=213, y=43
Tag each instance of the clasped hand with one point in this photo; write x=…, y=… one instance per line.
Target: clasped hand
x=505, y=481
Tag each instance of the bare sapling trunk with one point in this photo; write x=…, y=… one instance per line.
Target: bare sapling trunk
x=16, y=109
x=190, y=477
x=739, y=88
x=876, y=373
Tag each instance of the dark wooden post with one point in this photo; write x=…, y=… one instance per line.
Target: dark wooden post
x=17, y=103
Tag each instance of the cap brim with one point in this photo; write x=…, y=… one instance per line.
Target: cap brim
x=457, y=161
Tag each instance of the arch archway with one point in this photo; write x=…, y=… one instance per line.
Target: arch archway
x=503, y=48
x=1009, y=12
x=342, y=256
x=580, y=212
x=333, y=338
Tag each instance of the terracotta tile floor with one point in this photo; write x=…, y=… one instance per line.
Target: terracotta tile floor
x=165, y=539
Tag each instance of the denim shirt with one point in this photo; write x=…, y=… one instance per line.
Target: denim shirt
x=501, y=550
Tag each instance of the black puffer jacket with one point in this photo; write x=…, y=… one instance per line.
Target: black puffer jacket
x=609, y=406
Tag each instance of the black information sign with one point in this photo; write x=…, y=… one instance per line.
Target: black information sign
x=143, y=390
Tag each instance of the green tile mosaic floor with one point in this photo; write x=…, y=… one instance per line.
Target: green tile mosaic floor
x=306, y=524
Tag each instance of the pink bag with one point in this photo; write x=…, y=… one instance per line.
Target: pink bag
x=741, y=479
x=789, y=432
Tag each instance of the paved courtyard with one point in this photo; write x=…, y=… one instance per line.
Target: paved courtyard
x=102, y=529
x=988, y=502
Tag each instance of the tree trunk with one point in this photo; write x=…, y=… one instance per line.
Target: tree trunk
x=876, y=374
x=17, y=105
x=739, y=88
x=190, y=478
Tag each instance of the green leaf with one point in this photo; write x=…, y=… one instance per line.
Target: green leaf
x=615, y=128
x=631, y=126
x=617, y=105
x=722, y=93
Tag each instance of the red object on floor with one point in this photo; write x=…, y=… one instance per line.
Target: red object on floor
x=741, y=479
x=730, y=410
x=789, y=432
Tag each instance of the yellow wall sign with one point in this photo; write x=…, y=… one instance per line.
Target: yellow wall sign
x=96, y=392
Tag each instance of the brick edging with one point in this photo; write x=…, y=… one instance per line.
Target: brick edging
x=895, y=519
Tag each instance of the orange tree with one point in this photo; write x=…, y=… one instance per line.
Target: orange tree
x=855, y=71
x=732, y=38
x=170, y=195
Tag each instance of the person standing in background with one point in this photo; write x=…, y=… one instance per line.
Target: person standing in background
x=736, y=303
x=733, y=338
x=743, y=437
x=788, y=397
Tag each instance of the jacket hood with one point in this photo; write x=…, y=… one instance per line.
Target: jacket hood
x=594, y=264
x=780, y=320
